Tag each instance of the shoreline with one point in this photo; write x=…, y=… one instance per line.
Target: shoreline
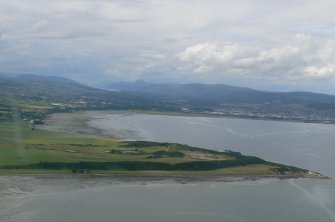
x=186, y=177
x=190, y=114
x=85, y=116
x=194, y=114
x=83, y=128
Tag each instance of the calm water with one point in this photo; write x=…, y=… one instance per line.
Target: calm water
x=305, y=145
x=110, y=199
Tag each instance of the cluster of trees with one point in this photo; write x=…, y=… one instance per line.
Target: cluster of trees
x=289, y=169
x=233, y=154
x=5, y=112
x=140, y=144
x=139, y=165
x=143, y=144
x=163, y=153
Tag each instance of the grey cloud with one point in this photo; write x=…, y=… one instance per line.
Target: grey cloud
x=304, y=57
x=143, y=38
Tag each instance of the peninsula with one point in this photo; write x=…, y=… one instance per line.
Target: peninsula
x=26, y=150
x=27, y=100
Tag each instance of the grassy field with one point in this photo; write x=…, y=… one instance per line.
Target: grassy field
x=21, y=145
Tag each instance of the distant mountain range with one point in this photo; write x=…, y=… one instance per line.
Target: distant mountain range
x=193, y=97
x=59, y=89
x=50, y=87
x=197, y=93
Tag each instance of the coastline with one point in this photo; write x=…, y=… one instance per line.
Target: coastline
x=162, y=176
x=187, y=114
x=195, y=114
x=81, y=122
x=84, y=116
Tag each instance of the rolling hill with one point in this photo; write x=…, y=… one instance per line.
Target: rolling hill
x=194, y=97
x=220, y=93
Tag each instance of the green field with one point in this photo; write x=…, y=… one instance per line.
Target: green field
x=19, y=144
x=25, y=150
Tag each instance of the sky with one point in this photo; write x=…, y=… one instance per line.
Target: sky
x=286, y=45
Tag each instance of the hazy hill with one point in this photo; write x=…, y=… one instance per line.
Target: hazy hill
x=44, y=86
x=196, y=97
x=212, y=94
x=58, y=89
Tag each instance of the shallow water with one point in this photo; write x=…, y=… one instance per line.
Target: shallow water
x=106, y=199
x=110, y=199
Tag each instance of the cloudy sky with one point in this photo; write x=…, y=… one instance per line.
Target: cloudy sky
x=264, y=44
